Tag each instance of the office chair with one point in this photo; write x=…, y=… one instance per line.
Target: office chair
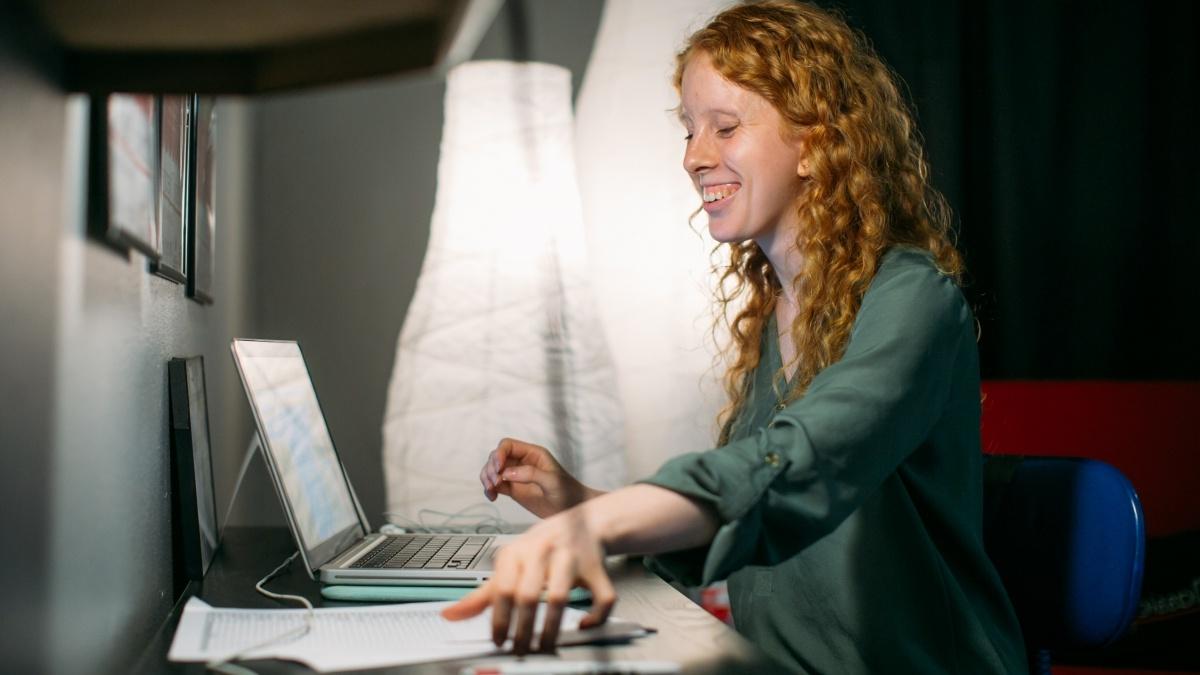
x=1068, y=539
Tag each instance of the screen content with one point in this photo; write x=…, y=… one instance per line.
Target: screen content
x=298, y=440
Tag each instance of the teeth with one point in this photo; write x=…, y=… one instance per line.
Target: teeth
x=718, y=195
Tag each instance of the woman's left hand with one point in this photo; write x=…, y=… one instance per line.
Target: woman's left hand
x=555, y=555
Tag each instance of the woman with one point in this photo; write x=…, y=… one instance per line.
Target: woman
x=843, y=503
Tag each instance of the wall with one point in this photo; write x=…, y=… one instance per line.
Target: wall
x=324, y=248
x=31, y=126
x=84, y=341
x=344, y=186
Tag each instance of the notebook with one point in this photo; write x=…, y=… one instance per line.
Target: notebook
x=322, y=510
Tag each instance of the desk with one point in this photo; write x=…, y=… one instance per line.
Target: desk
x=686, y=633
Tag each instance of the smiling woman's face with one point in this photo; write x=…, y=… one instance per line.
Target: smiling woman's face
x=747, y=173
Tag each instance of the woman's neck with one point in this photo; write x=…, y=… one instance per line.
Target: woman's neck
x=787, y=263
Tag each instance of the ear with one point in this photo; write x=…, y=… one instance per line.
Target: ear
x=802, y=167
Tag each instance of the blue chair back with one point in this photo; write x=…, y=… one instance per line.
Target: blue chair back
x=1068, y=537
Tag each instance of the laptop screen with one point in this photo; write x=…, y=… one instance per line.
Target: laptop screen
x=306, y=467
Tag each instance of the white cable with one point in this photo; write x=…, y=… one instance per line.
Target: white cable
x=489, y=522
x=223, y=665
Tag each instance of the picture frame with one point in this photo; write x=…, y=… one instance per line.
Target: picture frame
x=123, y=172
x=195, y=526
x=203, y=214
x=172, y=195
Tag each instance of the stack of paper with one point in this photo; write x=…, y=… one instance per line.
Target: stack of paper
x=346, y=638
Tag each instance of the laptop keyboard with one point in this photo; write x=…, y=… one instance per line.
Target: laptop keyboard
x=423, y=551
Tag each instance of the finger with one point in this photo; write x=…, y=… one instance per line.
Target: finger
x=523, y=628
x=527, y=474
x=501, y=611
x=512, y=451
x=558, y=590
x=472, y=604
x=492, y=468
x=500, y=454
x=504, y=582
x=529, y=591
x=489, y=486
x=603, y=597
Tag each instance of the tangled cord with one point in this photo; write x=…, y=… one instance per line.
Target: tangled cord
x=479, y=518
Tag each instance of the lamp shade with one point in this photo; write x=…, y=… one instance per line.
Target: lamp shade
x=502, y=337
x=652, y=270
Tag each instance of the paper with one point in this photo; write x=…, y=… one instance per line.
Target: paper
x=347, y=638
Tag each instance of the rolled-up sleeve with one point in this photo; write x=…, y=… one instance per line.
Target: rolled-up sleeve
x=795, y=480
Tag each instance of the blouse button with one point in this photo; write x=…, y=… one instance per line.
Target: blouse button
x=772, y=459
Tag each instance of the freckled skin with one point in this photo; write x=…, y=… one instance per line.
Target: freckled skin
x=736, y=137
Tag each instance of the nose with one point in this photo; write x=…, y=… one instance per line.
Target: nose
x=700, y=155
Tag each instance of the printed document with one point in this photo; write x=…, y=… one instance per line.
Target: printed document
x=346, y=638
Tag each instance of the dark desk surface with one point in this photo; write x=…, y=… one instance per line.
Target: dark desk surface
x=686, y=633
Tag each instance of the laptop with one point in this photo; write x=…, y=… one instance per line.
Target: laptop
x=322, y=510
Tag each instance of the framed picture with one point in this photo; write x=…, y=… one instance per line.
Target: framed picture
x=123, y=172
x=174, y=152
x=203, y=216
x=193, y=504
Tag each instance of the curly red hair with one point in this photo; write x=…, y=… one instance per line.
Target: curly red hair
x=869, y=187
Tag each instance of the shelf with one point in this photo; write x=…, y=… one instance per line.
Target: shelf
x=238, y=47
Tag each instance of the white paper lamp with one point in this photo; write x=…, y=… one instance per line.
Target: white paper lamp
x=501, y=337
x=651, y=271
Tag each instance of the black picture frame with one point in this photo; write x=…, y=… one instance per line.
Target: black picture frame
x=203, y=214
x=123, y=165
x=195, y=526
x=172, y=194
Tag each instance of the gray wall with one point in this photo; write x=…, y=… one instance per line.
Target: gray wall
x=344, y=188
x=31, y=128
x=85, y=334
x=324, y=203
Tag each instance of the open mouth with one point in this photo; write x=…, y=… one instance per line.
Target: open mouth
x=715, y=195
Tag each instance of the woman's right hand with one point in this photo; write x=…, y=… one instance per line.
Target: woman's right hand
x=553, y=556
x=533, y=478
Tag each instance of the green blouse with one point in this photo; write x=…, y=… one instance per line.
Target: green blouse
x=851, y=518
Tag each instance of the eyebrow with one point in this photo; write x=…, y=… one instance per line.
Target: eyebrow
x=684, y=118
